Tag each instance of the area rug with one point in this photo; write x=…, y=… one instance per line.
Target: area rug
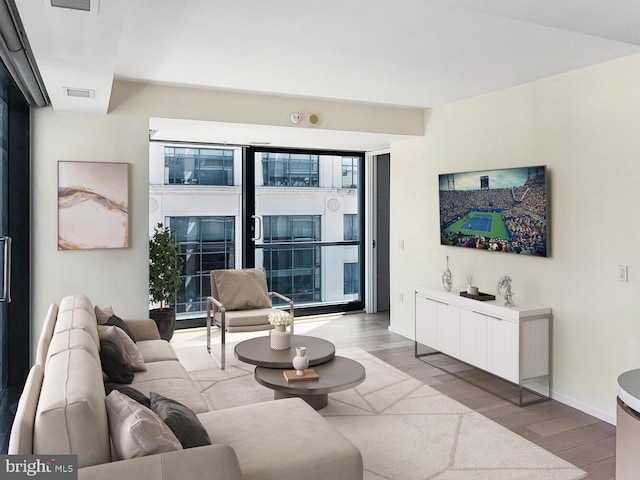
x=405, y=430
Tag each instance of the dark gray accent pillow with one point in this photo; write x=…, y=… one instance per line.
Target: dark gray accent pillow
x=118, y=322
x=181, y=420
x=130, y=392
x=113, y=364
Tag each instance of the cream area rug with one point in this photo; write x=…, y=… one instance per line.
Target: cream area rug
x=405, y=430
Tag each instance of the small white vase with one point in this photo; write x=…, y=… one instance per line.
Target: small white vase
x=280, y=338
x=300, y=361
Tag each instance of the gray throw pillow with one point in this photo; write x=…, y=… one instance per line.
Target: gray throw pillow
x=113, y=364
x=118, y=322
x=242, y=289
x=181, y=420
x=130, y=352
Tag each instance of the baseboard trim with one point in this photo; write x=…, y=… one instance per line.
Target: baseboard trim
x=571, y=402
x=401, y=332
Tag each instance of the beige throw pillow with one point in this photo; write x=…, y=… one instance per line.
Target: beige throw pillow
x=103, y=314
x=242, y=289
x=130, y=352
x=135, y=430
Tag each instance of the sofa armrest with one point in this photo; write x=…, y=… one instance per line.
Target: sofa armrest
x=143, y=328
x=213, y=462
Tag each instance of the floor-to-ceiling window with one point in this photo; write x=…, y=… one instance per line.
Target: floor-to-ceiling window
x=296, y=213
x=14, y=225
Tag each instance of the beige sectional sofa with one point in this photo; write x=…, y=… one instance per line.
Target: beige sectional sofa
x=62, y=411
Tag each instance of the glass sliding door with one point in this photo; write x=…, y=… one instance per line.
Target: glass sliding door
x=296, y=213
x=14, y=249
x=306, y=216
x=197, y=191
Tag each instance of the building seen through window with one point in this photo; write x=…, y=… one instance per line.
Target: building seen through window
x=290, y=170
x=206, y=243
x=198, y=166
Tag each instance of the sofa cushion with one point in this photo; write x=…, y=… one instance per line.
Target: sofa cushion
x=128, y=348
x=326, y=453
x=169, y=378
x=77, y=318
x=76, y=301
x=181, y=420
x=242, y=289
x=156, y=350
x=71, y=398
x=21, y=439
x=46, y=334
x=76, y=338
x=136, y=431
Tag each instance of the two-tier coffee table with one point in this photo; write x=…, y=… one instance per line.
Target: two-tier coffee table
x=335, y=373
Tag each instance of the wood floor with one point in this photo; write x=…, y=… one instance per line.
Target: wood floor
x=571, y=434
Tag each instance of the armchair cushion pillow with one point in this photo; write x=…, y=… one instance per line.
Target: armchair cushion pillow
x=113, y=363
x=135, y=430
x=242, y=289
x=181, y=420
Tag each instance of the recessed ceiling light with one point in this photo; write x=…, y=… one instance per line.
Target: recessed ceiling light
x=79, y=92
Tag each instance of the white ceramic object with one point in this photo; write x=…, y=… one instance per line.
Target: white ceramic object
x=300, y=361
x=280, y=338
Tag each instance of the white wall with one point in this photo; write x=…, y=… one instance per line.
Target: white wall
x=584, y=126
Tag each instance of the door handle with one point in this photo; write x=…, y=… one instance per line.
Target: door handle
x=6, y=274
x=258, y=223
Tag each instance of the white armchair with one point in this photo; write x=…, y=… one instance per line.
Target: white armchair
x=240, y=302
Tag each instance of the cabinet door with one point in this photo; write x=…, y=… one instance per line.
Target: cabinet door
x=473, y=338
x=448, y=329
x=502, y=348
x=426, y=323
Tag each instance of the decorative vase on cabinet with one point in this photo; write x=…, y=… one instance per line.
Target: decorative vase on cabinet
x=447, y=279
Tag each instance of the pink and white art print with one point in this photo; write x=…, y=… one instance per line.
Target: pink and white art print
x=93, y=205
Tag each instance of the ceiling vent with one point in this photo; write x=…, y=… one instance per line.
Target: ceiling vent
x=79, y=92
x=84, y=5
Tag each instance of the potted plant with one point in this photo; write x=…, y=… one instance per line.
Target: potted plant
x=165, y=266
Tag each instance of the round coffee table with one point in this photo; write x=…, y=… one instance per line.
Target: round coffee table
x=257, y=351
x=335, y=375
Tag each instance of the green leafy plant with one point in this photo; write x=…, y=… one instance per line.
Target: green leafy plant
x=165, y=266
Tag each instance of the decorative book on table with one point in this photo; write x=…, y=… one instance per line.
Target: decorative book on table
x=292, y=376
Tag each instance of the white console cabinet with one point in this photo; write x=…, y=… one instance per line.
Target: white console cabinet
x=513, y=343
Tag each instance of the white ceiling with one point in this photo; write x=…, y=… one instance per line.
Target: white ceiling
x=413, y=53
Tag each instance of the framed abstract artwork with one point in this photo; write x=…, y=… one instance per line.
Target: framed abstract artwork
x=93, y=205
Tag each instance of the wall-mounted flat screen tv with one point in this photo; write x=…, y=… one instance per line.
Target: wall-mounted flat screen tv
x=498, y=210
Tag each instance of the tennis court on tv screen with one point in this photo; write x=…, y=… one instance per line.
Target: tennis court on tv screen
x=510, y=217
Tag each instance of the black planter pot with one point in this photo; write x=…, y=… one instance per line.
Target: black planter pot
x=165, y=319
